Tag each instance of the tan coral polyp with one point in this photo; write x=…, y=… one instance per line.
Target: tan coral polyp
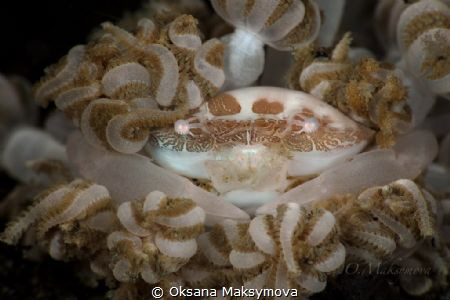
x=96, y=117
x=128, y=76
x=303, y=33
x=184, y=32
x=65, y=75
x=422, y=23
x=74, y=101
x=278, y=12
x=215, y=55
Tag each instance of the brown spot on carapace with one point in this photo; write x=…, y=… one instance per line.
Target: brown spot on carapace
x=263, y=106
x=224, y=105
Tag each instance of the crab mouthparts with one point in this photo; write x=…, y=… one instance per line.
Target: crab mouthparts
x=254, y=167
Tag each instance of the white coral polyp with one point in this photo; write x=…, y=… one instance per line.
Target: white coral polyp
x=243, y=58
x=244, y=52
x=25, y=145
x=65, y=76
x=432, y=42
x=123, y=75
x=155, y=227
x=268, y=254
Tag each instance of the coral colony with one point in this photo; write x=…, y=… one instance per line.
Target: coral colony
x=172, y=169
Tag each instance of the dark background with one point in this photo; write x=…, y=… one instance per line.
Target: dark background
x=35, y=34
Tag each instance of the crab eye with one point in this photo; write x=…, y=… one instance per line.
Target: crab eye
x=311, y=125
x=182, y=127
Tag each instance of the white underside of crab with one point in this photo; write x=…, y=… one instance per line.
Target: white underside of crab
x=250, y=163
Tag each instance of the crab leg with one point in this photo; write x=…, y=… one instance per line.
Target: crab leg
x=132, y=176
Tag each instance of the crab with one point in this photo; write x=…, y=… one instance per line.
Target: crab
x=251, y=143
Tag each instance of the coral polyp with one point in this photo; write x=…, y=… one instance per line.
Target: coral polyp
x=173, y=160
x=282, y=24
x=111, y=88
